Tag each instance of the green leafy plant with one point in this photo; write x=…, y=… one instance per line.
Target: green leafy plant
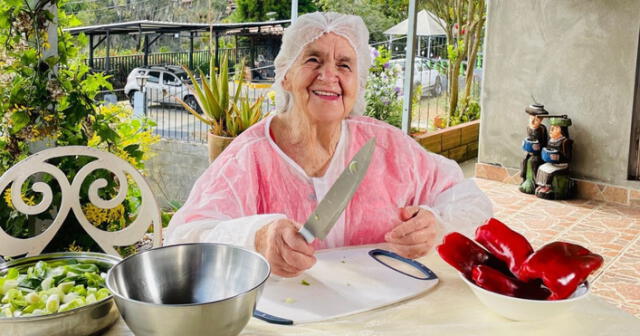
x=469, y=111
x=49, y=97
x=220, y=109
x=382, y=95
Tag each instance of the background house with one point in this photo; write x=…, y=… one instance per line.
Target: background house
x=576, y=57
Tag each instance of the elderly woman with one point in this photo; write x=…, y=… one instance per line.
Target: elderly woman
x=262, y=188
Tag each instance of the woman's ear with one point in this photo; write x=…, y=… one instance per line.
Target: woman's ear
x=286, y=84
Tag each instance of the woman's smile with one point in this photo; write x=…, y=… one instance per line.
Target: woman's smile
x=327, y=94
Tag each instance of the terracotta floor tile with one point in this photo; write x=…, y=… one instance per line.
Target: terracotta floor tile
x=628, y=265
x=613, y=208
x=623, y=292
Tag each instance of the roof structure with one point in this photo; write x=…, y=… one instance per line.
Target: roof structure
x=161, y=27
x=152, y=30
x=428, y=24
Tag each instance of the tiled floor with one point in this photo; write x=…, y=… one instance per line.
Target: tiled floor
x=605, y=228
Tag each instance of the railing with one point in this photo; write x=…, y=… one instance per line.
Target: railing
x=172, y=120
x=432, y=110
x=121, y=66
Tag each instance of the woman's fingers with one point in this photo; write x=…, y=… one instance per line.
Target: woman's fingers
x=422, y=220
x=415, y=236
x=296, y=242
x=286, y=250
x=410, y=251
x=425, y=235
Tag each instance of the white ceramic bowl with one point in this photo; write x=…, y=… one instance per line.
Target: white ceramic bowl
x=523, y=309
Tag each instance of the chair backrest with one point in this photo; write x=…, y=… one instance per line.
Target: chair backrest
x=148, y=212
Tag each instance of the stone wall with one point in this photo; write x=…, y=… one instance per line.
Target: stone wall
x=459, y=143
x=174, y=169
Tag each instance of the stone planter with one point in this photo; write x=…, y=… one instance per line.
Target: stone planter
x=217, y=144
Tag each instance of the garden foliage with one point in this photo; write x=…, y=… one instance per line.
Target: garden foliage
x=49, y=97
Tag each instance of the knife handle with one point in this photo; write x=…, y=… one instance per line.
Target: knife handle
x=429, y=274
x=270, y=318
x=308, y=236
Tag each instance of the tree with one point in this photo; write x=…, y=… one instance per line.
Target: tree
x=378, y=15
x=257, y=10
x=464, y=22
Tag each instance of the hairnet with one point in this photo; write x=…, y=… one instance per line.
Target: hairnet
x=309, y=27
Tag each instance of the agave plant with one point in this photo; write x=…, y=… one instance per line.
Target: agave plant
x=220, y=110
x=244, y=115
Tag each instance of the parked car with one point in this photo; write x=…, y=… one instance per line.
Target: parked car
x=425, y=74
x=164, y=84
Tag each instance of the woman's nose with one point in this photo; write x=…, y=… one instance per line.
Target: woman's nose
x=328, y=73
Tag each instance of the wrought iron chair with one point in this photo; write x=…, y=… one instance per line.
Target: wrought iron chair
x=148, y=213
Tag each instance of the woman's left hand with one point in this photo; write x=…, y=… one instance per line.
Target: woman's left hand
x=416, y=235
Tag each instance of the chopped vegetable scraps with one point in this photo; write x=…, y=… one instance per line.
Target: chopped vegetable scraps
x=50, y=287
x=305, y=282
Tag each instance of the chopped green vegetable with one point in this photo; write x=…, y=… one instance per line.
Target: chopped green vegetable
x=51, y=287
x=289, y=300
x=305, y=282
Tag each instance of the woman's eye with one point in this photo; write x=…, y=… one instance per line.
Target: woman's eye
x=312, y=60
x=346, y=66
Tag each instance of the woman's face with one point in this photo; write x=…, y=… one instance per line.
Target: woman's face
x=323, y=80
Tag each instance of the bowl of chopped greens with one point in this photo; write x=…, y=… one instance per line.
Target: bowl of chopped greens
x=56, y=294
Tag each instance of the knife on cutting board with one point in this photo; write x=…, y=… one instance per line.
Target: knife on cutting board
x=335, y=201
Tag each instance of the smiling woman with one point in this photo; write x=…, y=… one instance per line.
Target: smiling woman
x=261, y=189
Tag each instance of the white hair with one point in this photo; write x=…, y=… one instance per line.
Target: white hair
x=308, y=28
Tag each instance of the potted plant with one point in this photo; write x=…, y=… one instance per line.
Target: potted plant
x=227, y=115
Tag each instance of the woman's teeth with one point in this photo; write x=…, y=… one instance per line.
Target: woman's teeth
x=326, y=93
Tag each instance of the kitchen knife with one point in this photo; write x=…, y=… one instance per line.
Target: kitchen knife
x=327, y=212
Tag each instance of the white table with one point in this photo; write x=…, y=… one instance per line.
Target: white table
x=449, y=309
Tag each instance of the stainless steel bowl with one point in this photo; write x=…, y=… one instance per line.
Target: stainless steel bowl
x=191, y=289
x=86, y=320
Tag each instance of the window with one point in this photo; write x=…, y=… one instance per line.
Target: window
x=154, y=77
x=169, y=79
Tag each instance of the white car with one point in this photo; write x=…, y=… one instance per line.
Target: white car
x=432, y=81
x=164, y=84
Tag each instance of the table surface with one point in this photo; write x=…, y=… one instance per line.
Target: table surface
x=452, y=309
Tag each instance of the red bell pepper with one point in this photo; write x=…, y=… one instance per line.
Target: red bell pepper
x=561, y=266
x=504, y=243
x=463, y=254
x=497, y=282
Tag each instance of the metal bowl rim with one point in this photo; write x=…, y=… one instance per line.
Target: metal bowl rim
x=58, y=256
x=178, y=305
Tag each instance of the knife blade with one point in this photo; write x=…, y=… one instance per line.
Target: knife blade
x=329, y=209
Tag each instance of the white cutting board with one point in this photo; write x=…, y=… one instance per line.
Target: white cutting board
x=343, y=281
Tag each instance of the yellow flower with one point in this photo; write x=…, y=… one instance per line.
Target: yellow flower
x=30, y=201
x=98, y=216
x=74, y=247
x=272, y=96
x=7, y=198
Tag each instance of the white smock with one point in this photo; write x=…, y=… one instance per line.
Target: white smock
x=253, y=183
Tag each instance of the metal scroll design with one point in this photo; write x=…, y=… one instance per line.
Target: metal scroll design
x=18, y=175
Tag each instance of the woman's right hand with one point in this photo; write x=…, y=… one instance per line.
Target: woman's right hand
x=284, y=248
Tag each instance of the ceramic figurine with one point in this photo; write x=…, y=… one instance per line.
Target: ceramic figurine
x=534, y=142
x=552, y=179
